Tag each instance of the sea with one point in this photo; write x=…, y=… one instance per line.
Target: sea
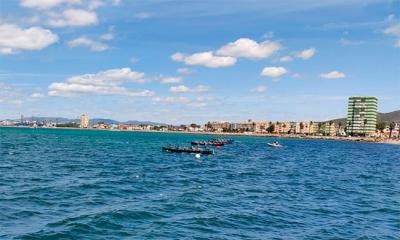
x=85, y=184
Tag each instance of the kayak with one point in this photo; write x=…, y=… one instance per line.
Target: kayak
x=274, y=145
x=188, y=150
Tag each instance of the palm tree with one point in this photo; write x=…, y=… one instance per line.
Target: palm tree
x=319, y=126
x=301, y=127
x=330, y=127
x=392, y=125
x=309, y=128
x=340, y=124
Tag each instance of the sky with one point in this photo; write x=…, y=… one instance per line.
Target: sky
x=196, y=61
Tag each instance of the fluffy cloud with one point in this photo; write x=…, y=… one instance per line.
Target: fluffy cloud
x=91, y=44
x=333, y=75
x=14, y=39
x=286, y=59
x=306, y=54
x=185, y=71
x=45, y=4
x=248, y=48
x=394, y=30
x=37, y=95
x=103, y=83
x=274, y=72
x=259, y=89
x=170, y=79
x=184, y=89
x=207, y=59
x=73, y=18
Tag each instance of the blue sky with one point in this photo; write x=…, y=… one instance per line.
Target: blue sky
x=193, y=61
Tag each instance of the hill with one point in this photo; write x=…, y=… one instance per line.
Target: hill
x=92, y=121
x=382, y=117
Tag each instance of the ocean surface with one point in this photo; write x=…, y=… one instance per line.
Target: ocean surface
x=80, y=184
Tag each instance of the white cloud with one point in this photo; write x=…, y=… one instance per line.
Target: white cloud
x=285, y=59
x=296, y=75
x=248, y=48
x=185, y=71
x=274, y=72
x=14, y=39
x=73, y=18
x=179, y=89
x=171, y=79
x=394, y=30
x=45, y=4
x=37, y=95
x=103, y=83
x=87, y=42
x=259, y=89
x=184, y=89
x=107, y=36
x=207, y=59
x=306, y=54
x=333, y=75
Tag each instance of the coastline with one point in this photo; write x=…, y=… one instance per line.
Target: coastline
x=263, y=135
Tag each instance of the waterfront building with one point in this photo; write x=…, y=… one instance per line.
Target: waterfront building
x=361, y=116
x=84, y=121
x=217, y=126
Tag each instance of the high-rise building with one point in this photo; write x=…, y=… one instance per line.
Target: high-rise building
x=361, y=115
x=84, y=121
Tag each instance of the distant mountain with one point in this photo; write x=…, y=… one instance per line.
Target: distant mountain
x=92, y=121
x=103, y=120
x=144, y=122
x=383, y=117
x=389, y=117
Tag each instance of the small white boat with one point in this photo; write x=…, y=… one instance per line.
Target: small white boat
x=274, y=144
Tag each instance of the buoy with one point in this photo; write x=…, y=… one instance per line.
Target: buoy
x=197, y=155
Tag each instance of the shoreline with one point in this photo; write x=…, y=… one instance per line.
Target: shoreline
x=262, y=135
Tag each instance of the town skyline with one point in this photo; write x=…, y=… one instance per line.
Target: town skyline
x=152, y=61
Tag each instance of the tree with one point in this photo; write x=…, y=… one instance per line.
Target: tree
x=392, y=125
x=330, y=127
x=320, y=127
x=310, y=127
x=340, y=124
x=271, y=128
x=301, y=127
x=381, y=126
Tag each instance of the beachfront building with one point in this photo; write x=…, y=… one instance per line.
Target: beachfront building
x=361, y=116
x=84, y=121
x=217, y=126
x=282, y=127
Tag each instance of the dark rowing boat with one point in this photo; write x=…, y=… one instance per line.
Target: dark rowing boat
x=188, y=150
x=207, y=143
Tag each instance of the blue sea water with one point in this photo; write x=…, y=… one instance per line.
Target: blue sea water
x=77, y=184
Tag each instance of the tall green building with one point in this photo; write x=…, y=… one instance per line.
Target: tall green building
x=361, y=116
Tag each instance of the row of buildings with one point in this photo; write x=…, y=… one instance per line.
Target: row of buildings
x=361, y=121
